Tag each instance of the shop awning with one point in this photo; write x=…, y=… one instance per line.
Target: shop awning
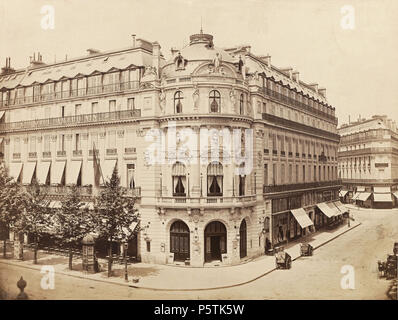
x=15, y=170
x=1, y=114
x=395, y=194
x=382, y=197
x=327, y=211
x=356, y=195
x=381, y=189
x=72, y=171
x=343, y=193
x=107, y=169
x=57, y=171
x=360, y=189
x=28, y=170
x=302, y=218
x=1, y=140
x=340, y=206
x=336, y=211
x=363, y=196
x=42, y=172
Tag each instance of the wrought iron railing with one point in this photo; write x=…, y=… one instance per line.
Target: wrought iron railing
x=300, y=186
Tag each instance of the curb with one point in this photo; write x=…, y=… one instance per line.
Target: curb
x=174, y=290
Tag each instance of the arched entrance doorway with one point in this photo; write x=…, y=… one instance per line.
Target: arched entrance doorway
x=215, y=241
x=243, y=239
x=179, y=240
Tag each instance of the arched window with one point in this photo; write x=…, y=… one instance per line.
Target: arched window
x=179, y=179
x=215, y=179
x=178, y=102
x=215, y=101
x=242, y=180
x=241, y=104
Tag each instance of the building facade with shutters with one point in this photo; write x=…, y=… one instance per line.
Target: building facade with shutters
x=368, y=162
x=226, y=154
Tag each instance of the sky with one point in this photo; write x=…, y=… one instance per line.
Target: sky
x=358, y=66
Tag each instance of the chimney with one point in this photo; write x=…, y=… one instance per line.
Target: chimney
x=289, y=71
x=314, y=87
x=36, y=63
x=322, y=91
x=92, y=51
x=173, y=51
x=268, y=60
x=7, y=68
x=296, y=76
x=133, y=36
x=156, y=56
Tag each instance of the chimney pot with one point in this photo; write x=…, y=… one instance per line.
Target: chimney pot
x=133, y=36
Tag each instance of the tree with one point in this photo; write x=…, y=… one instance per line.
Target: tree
x=11, y=203
x=72, y=221
x=36, y=217
x=115, y=214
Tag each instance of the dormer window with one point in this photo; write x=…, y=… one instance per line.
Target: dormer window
x=180, y=62
x=178, y=102
x=215, y=101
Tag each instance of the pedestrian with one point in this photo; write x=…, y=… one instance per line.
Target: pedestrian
x=348, y=218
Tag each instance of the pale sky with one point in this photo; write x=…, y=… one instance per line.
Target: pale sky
x=358, y=67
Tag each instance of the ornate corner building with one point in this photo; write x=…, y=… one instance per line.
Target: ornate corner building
x=56, y=118
x=368, y=162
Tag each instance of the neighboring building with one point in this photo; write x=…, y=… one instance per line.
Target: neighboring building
x=368, y=162
x=120, y=101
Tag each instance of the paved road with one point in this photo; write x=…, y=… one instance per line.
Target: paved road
x=316, y=277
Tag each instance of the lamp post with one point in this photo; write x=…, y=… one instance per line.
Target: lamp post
x=126, y=276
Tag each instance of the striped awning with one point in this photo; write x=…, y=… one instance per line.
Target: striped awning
x=42, y=172
x=72, y=171
x=381, y=189
x=178, y=169
x=57, y=172
x=327, y=211
x=28, y=170
x=302, y=218
x=340, y=206
x=215, y=169
x=363, y=196
x=335, y=210
x=15, y=170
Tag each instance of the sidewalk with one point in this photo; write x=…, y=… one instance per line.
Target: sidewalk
x=180, y=278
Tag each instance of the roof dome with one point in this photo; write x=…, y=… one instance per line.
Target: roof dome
x=201, y=47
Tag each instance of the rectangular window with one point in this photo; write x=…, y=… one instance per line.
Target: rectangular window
x=112, y=105
x=47, y=112
x=266, y=174
x=148, y=246
x=130, y=104
x=47, y=143
x=94, y=107
x=130, y=176
x=32, y=144
x=17, y=145
x=274, y=174
x=62, y=111
x=78, y=109
x=314, y=173
x=112, y=139
x=297, y=173
x=62, y=142
x=290, y=171
x=282, y=173
x=77, y=141
x=303, y=172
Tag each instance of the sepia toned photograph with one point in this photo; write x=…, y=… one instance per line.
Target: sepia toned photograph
x=198, y=150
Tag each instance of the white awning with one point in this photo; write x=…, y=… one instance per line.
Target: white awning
x=343, y=193
x=340, y=206
x=356, y=195
x=28, y=170
x=382, y=197
x=360, y=189
x=107, y=169
x=336, y=211
x=72, y=171
x=55, y=204
x=15, y=170
x=325, y=209
x=57, y=171
x=382, y=189
x=301, y=216
x=395, y=194
x=1, y=114
x=42, y=172
x=88, y=169
x=363, y=196
x=1, y=140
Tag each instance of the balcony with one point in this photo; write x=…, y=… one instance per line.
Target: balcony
x=300, y=186
x=46, y=154
x=71, y=120
x=111, y=152
x=300, y=127
x=32, y=155
x=77, y=153
x=130, y=150
x=16, y=156
x=133, y=192
x=61, y=153
x=83, y=92
x=63, y=190
x=225, y=202
x=287, y=100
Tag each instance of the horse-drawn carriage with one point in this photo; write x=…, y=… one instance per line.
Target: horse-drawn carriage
x=389, y=268
x=306, y=249
x=283, y=260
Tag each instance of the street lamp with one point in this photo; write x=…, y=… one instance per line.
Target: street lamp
x=126, y=276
